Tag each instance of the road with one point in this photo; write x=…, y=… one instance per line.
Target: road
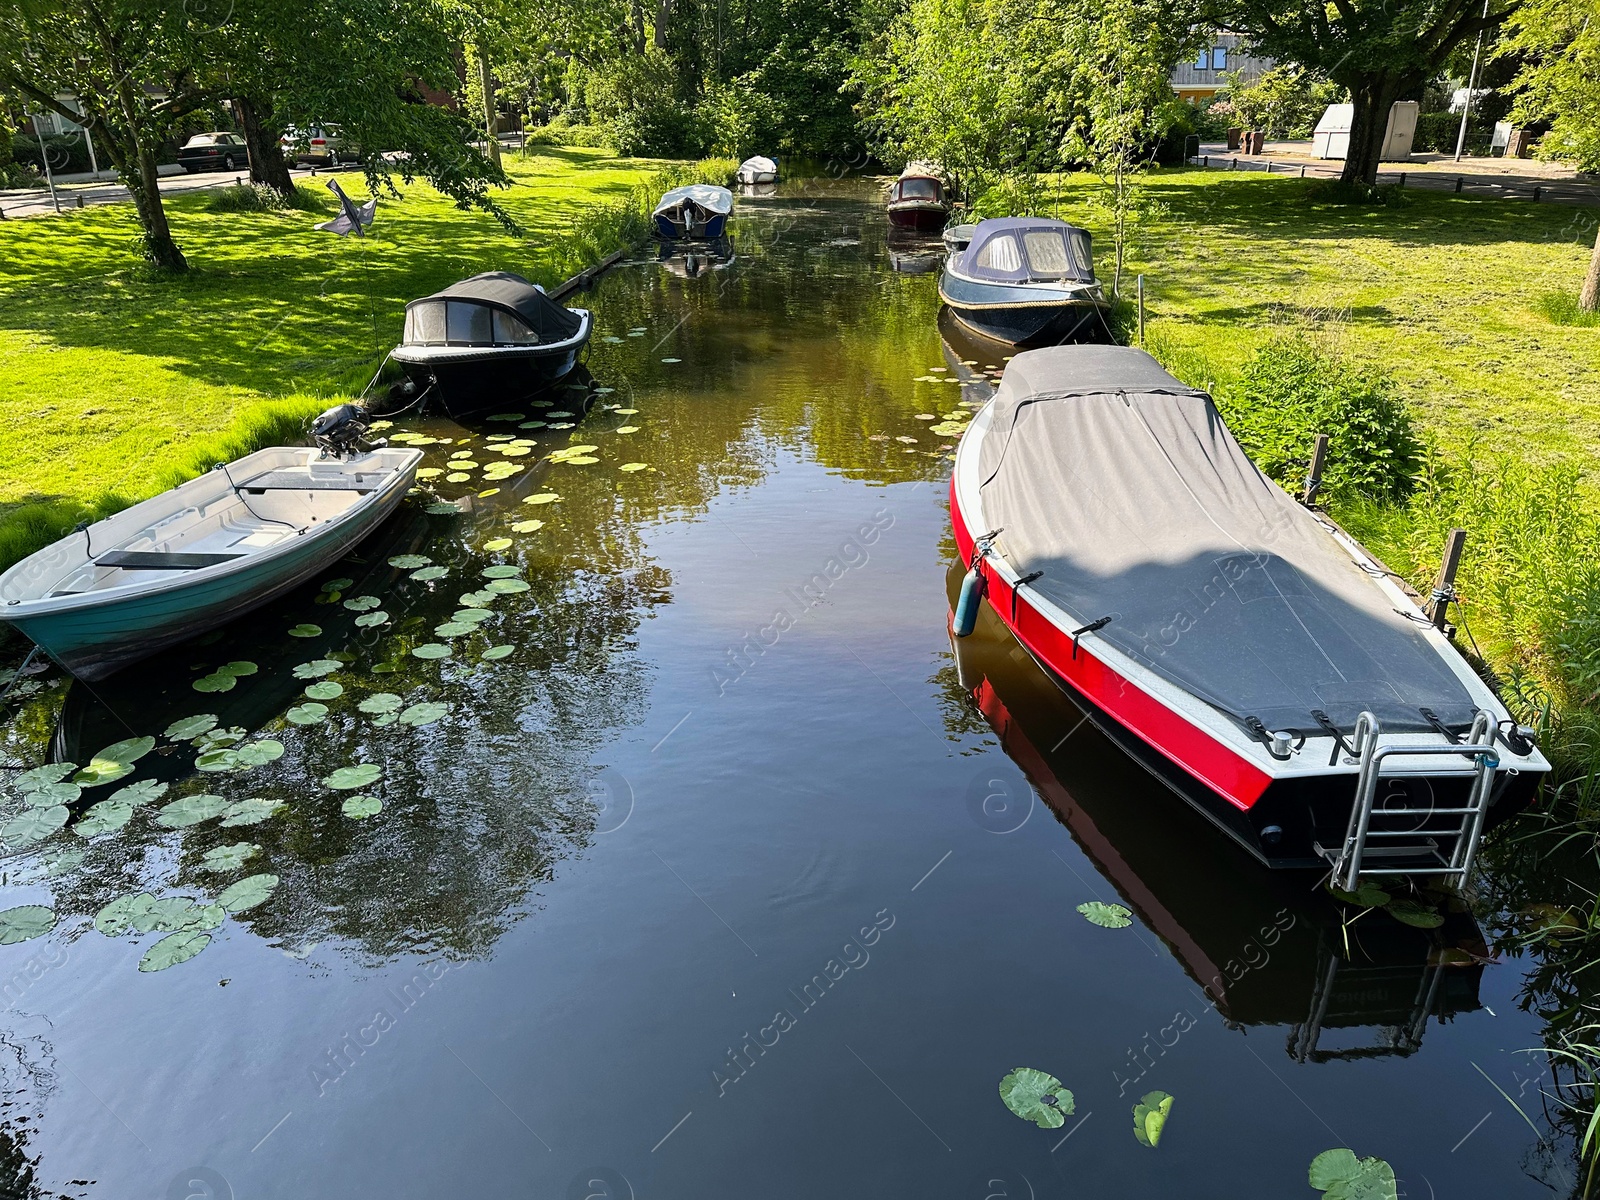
x=36, y=202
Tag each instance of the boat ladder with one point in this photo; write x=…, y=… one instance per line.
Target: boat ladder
x=1446, y=839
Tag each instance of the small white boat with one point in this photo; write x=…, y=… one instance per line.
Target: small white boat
x=199, y=555
x=697, y=211
x=758, y=170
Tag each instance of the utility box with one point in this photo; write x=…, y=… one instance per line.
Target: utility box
x=1332, y=136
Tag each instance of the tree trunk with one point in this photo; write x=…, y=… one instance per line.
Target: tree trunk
x=663, y=12
x=486, y=86
x=142, y=180
x=1589, y=298
x=638, y=26
x=267, y=164
x=1371, y=100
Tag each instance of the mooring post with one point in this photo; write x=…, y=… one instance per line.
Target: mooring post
x=1141, y=310
x=1319, y=455
x=1206, y=162
x=1444, y=588
x=1536, y=192
x=1402, y=179
x=1234, y=166
x=1302, y=170
x=1459, y=182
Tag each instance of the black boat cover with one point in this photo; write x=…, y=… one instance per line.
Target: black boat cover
x=513, y=294
x=1124, y=488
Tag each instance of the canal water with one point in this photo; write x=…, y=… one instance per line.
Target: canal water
x=703, y=867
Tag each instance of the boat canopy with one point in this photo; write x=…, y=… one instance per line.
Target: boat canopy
x=1124, y=490
x=759, y=163
x=712, y=199
x=496, y=308
x=1020, y=249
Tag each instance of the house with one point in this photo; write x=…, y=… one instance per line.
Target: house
x=1203, y=76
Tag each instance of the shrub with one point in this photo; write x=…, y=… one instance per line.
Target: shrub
x=563, y=133
x=68, y=152
x=1437, y=133
x=1292, y=389
x=258, y=197
x=665, y=128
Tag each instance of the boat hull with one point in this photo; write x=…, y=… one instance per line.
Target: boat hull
x=753, y=177
x=95, y=641
x=464, y=387
x=676, y=228
x=1025, y=316
x=923, y=218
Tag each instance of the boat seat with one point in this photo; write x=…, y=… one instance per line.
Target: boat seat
x=156, y=560
x=305, y=481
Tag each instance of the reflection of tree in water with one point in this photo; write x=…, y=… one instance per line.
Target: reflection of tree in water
x=26, y=1082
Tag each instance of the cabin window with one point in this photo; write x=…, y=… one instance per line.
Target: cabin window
x=1081, y=251
x=918, y=189
x=508, y=331
x=425, y=325
x=1047, y=254
x=470, y=324
x=1000, y=254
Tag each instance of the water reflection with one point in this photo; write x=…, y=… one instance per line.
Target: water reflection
x=1266, y=948
x=691, y=260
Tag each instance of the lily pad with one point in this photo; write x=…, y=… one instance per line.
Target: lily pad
x=431, y=650
x=443, y=509
x=53, y=793
x=633, y=466
x=527, y=526
x=501, y=571
x=471, y=616
x=249, y=812
x=425, y=713
x=216, y=762
x=105, y=817
x=371, y=619
x=361, y=806
x=306, y=714
x=248, y=892
x=452, y=629
x=347, y=779
x=1150, y=1117
x=191, y=810
x=1368, y=895
x=238, y=669
x=672, y=360
x=362, y=603
x=186, y=729
x=115, y=761
x=1343, y=1176
x=337, y=585
x=494, y=653
x=627, y=429
x=306, y=631
x=33, y=825
x=39, y=777
x=580, y=460
x=317, y=668
x=505, y=587
x=216, y=738
x=326, y=690
x=118, y=917
x=379, y=703
x=259, y=754
x=1036, y=1096
x=1109, y=916
x=429, y=574
x=217, y=681
x=24, y=922
x=478, y=599
x=497, y=544
x=542, y=498
x=410, y=562
x=173, y=949
x=228, y=858
x=143, y=792
x=1409, y=912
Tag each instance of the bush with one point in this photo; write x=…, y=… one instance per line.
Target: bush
x=663, y=129
x=563, y=133
x=738, y=119
x=1437, y=133
x=258, y=197
x=1291, y=390
x=69, y=152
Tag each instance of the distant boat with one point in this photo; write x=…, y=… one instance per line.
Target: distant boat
x=959, y=237
x=1025, y=281
x=487, y=340
x=1250, y=654
x=697, y=211
x=919, y=199
x=197, y=556
x=758, y=170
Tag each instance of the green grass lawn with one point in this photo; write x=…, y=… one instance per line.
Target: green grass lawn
x=115, y=379
x=1444, y=293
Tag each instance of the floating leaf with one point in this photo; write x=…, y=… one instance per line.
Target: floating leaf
x=259, y=754
x=53, y=793
x=495, y=544
x=471, y=616
x=186, y=729
x=249, y=812
x=220, y=737
x=385, y=720
x=458, y=476
x=371, y=619
x=1150, y=1117
x=431, y=650
x=380, y=702
x=425, y=713
x=217, y=761
x=33, y=825
x=478, y=599
x=672, y=360
x=238, y=669
x=118, y=917
x=191, y=810
x=143, y=792
x=361, y=806
x=428, y=574
x=627, y=429
x=39, y=777
x=452, y=629
x=1409, y=912
x=317, y=668
x=326, y=690
x=1109, y=916
x=443, y=508
x=337, y=585
x=527, y=526
x=505, y=587
x=228, y=858
x=173, y=949
x=1369, y=895
x=347, y=779
x=24, y=922
x=306, y=714
x=1036, y=1096
x=362, y=603
x=129, y=750
x=410, y=562
x=105, y=817
x=542, y=498
x=497, y=652
x=306, y=631
x=1343, y=1176
x=581, y=460
x=248, y=892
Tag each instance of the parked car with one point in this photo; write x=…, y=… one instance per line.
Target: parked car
x=213, y=152
x=320, y=145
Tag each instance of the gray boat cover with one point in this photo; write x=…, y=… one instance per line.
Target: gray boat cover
x=1124, y=488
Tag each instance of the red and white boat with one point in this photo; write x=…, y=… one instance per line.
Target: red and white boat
x=1243, y=648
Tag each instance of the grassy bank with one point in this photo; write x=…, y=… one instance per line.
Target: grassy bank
x=120, y=383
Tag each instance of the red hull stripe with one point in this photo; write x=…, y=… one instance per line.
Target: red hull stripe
x=1171, y=735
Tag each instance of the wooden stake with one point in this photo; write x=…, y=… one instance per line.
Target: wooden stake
x=1141, y=310
x=1444, y=586
x=1319, y=456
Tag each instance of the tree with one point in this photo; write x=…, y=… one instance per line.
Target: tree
x=1380, y=50
x=1557, y=43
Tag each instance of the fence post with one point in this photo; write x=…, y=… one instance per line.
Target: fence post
x=1302, y=170
x=1536, y=192
x=1459, y=182
x=1206, y=162
x=1234, y=166
x=1141, y=310
x=1402, y=179
x=1444, y=586
x=1319, y=455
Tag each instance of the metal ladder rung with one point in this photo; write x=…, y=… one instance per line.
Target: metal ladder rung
x=1412, y=833
x=1425, y=812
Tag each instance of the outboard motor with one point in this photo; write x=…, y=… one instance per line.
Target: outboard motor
x=339, y=431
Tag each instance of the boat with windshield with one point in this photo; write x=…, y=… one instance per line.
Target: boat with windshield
x=1026, y=281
